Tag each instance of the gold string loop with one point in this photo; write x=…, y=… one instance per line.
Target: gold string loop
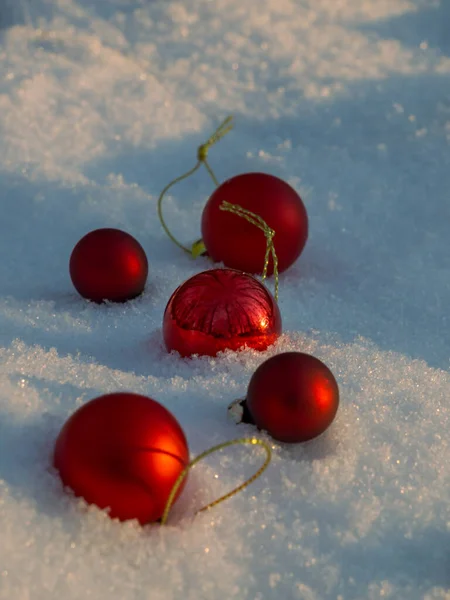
x=247, y=482
x=202, y=154
x=269, y=233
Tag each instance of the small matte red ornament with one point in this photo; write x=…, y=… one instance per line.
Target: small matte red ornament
x=293, y=396
x=123, y=451
x=231, y=239
x=108, y=264
x=220, y=309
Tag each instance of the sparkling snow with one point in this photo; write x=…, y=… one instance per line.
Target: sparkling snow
x=102, y=103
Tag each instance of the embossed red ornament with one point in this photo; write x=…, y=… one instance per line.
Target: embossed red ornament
x=108, y=264
x=220, y=309
x=293, y=396
x=231, y=239
x=123, y=451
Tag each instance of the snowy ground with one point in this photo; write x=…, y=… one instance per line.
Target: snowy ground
x=101, y=104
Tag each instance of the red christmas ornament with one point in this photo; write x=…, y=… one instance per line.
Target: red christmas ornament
x=108, y=264
x=220, y=309
x=293, y=396
x=122, y=451
x=231, y=239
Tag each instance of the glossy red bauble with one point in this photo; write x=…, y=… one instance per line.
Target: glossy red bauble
x=123, y=451
x=108, y=264
x=231, y=239
x=293, y=396
x=220, y=309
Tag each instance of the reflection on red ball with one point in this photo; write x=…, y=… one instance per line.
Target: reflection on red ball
x=293, y=396
x=108, y=264
x=123, y=451
x=220, y=309
x=231, y=239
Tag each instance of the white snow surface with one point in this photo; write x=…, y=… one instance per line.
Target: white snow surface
x=102, y=103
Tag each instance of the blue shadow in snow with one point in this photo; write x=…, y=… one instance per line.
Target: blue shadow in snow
x=430, y=25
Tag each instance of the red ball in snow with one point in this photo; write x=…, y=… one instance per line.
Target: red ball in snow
x=220, y=309
x=293, y=396
x=123, y=451
x=231, y=239
x=108, y=264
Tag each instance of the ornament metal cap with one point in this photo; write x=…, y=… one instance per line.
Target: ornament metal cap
x=239, y=413
x=235, y=410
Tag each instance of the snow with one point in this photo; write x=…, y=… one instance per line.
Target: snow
x=101, y=105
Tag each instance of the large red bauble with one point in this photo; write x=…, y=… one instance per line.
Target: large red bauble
x=293, y=396
x=220, y=309
x=123, y=451
x=108, y=264
x=231, y=239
